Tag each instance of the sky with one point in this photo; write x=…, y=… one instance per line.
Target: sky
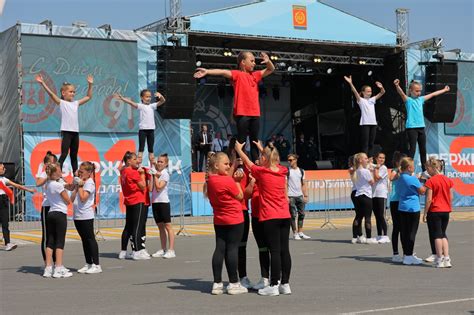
x=452, y=20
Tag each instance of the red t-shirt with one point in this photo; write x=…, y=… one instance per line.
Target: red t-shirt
x=246, y=102
x=129, y=179
x=441, y=187
x=272, y=187
x=254, y=201
x=221, y=190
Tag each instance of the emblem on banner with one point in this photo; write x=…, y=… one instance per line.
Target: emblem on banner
x=300, y=18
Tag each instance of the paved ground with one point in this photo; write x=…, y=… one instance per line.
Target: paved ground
x=329, y=276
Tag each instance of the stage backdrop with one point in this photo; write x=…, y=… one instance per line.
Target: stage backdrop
x=123, y=64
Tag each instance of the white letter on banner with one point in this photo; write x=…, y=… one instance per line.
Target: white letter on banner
x=176, y=167
x=110, y=168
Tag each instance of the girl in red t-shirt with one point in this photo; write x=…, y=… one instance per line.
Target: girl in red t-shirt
x=225, y=195
x=274, y=213
x=437, y=209
x=132, y=179
x=246, y=94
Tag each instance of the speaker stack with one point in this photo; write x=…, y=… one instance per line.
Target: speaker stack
x=175, y=68
x=441, y=109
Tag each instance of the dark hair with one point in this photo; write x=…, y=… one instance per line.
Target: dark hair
x=378, y=153
x=231, y=146
x=242, y=56
x=142, y=92
x=362, y=89
x=397, y=156
x=50, y=157
x=127, y=156
x=63, y=87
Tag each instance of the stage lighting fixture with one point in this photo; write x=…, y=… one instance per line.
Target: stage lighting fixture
x=317, y=59
x=49, y=25
x=107, y=28
x=439, y=55
x=329, y=71
x=369, y=73
x=198, y=63
x=227, y=52
x=175, y=40
x=274, y=57
x=280, y=65
x=362, y=62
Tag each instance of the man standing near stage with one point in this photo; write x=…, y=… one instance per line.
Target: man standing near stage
x=204, y=141
x=218, y=143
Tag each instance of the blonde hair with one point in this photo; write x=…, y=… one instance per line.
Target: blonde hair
x=362, y=89
x=435, y=163
x=271, y=155
x=212, y=159
x=405, y=163
x=412, y=83
x=64, y=87
x=356, y=164
x=51, y=169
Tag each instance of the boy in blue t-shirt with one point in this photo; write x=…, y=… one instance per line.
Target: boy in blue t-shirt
x=409, y=189
x=415, y=124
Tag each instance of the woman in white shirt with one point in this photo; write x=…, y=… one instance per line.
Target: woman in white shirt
x=161, y=207
x=56, y=222
x=368, y=121
x=363, y=179
x=83, y=198
x=380, y=193
x=146, y=125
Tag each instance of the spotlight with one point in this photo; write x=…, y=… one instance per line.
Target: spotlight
x=362, y=62
x=175, y=40
x=329, y=70
x=49, y=25
x=369, y=73
x=227, y=52
x=439, y=55
x=317, y=59
x=107, y=28
x=198, y=63
x=274, y=57
x=280, y=65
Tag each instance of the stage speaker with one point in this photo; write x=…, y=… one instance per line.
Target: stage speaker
x=323, y=165
x=441, y=108
x=9, y=170
x=175, y=68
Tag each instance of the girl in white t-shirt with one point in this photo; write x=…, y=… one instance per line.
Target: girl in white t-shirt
x=41, y=179
x=368, y=121
x=83, y=198
x=363, y=180
x=56, y=222
x=379, y=198
x=161, y=207
x=69, y=117
x=146, y=125
x=5, y=209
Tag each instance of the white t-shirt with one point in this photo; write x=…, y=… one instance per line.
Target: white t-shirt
x=69, y=116
x=162, y=195
x=45, y=198
x=85, y=210
x=380, y=189
x=294, y=182
x=367, y=109
x=5, y=182
x=352, y=180
x=362, y=183
x=53, y=190
x=147, y=116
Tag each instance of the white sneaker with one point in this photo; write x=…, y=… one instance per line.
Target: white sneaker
x=122, y=254
x=245, y=282
x=354, y=240
x=304, y=236
x=431, y=258
x=296, y=237
x=378, y=238
x=384, y=239
x=284, y=288
x=397, y=259
x=169, y=254
x=130, y=255
x=145, y=252
x=447, y=262
x=362, y=240
x=419, y=260
x=411, y=260
x=271, y=290
x=48, y=272
x=371, y=241
x=236, y=288
x=94, y=269
x=140, y=255
x=10, y=247
x=159, y=254
x=264, y=282
x=61, y=272
x=439, y=262
x=84, y=269
x=217, y=288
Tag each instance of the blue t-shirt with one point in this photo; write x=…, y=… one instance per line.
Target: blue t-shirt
x=415, y=118
x=409, y=199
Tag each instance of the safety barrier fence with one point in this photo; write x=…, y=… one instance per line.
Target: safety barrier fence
x=328, y=200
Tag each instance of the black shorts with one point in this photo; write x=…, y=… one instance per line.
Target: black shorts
x=161, y=212
x=438, y=222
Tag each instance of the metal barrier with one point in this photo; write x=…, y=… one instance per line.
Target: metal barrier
x=328, y=200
